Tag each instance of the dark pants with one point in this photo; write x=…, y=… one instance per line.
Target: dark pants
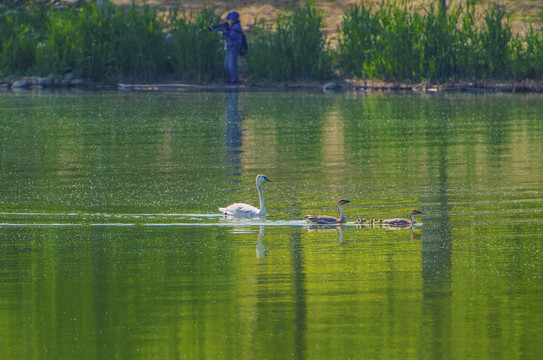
x=231, y=65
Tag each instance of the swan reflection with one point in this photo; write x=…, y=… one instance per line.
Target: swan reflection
x=261, y=251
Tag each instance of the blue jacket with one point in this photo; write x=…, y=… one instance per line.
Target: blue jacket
x=233, y=36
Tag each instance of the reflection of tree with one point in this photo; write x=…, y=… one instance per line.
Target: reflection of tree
x=437, y=249
x=497, y=131
x=333, y=152
x=300, y=307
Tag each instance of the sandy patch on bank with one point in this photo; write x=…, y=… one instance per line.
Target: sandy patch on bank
x=523, y=12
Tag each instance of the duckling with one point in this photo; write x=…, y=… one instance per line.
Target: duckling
x=402, y=221
x=324, y=219
x=361, y=220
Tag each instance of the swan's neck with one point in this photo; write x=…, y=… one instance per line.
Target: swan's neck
x=412, y=219
x=261, y=198
x=341, y=216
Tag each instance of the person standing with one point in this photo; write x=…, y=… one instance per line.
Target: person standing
x=233, y=36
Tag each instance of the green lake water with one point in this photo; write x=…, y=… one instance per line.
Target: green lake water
x=111, y=245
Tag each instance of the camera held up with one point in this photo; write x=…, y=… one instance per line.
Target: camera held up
x=217, y=27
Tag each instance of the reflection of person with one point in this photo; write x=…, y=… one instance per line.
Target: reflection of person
x=233, y=36
x=233, y=130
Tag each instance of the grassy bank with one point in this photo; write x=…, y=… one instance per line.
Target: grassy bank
x=391, y=41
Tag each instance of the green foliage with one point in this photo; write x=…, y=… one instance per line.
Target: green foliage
x=391, y=40
x=115, y=43
x=395, y=42
x=440, y=36
x=108, y=44
x=295, y=50
x=360, y=30
x=527, y=58
x=196, y=54
x=495, y=42
x=18, y=39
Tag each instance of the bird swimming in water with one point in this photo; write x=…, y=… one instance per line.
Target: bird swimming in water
x=324, y=219
x=246, y=210
x=402, y=221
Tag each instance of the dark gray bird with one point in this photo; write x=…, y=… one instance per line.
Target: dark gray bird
x=324, y=219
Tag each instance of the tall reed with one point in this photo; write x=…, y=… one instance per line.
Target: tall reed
x=360, y=35
x=440, y=36
x=194, y=52
x=107, y=44
x=115, y=43
x=294, y=50
x=527, y=57
x=18, y=39
x=395, y=42
x=495, y=42
x=384, y=42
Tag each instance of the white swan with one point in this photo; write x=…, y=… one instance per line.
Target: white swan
x=246, y=210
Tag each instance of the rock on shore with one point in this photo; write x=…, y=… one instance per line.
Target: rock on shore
x=50, y=81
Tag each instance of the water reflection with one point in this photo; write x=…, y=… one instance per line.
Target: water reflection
x=261, y=251
x=328, y=228
x=233, y=131
x=436, y=240
x=437, y=249
x=109, y=233
x=300, y=293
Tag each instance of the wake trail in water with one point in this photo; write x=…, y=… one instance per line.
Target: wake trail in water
x=40, y=219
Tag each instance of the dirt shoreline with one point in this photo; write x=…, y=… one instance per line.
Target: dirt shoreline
x=486, y=86
x=532, y=86
x=482, y=86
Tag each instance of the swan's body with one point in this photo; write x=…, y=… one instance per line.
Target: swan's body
x=402, y=221
x=324, y=219
x=246, y=210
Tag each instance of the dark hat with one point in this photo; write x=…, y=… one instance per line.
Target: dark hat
x=233, y=15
